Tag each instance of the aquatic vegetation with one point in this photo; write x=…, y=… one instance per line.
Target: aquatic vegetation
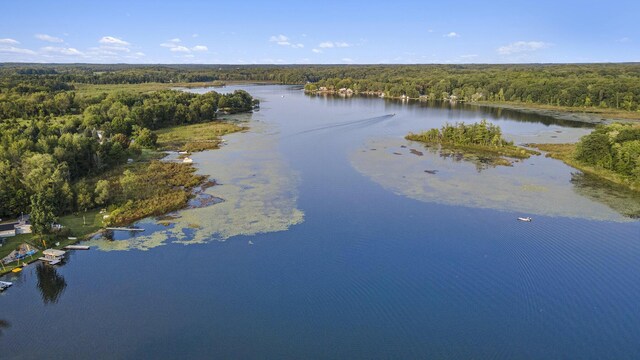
x=258, y=189
x=533, y=186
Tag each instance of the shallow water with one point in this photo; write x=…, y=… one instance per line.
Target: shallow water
x=325, y=248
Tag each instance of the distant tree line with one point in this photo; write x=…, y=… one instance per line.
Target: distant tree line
x=575, y=85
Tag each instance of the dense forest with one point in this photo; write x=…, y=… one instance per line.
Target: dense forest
x=614, y=147
x=55, y=142
x=607, y=86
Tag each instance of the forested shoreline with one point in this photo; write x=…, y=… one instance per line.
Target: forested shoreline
x=64, y=151
x=611, y=152
x=588, y=86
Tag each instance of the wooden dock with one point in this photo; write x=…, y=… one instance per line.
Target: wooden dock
x=77, y=247
x=51, y=262
x=124, y=229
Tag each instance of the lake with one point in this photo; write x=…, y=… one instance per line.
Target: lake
x=336, y=238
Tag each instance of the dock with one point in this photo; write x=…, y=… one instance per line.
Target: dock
x=77, y=247
x=124, y=229
x=52, y=256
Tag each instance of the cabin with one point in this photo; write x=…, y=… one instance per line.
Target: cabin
x=8, y=230
x=53, y=256
x=13, y=228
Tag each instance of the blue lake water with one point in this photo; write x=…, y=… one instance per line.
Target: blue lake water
x=327, y=248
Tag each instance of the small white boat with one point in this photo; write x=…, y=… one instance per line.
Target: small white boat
x=187, y=160
x=4, y=285
x=250, y=242
x=527, y=219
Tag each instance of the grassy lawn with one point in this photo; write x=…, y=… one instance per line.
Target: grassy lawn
x=196, y=137
x=91, y=89
x=82, y=224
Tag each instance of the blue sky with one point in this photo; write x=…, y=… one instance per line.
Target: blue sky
x=319, y=32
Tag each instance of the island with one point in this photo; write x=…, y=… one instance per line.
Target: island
x=479, y=139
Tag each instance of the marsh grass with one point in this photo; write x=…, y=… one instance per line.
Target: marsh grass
x=196, y=137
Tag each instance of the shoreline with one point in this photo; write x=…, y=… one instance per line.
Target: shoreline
x=560, y=113
x=595, y=117
x=194, y=192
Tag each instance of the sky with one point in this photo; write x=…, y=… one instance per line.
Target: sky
x=319, y=32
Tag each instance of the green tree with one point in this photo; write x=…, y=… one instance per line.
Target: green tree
x=145, y=137
x=84, y=199
x=102, y=192
x=42, y=212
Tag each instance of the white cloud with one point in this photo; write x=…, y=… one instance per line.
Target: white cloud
x=15, y=50
x=283, y=40
x=174, y=46
x=332, y=44
x=9, y=41
x=623, y=40
x=280, y=40
x=469, y=56
x=110, y=40
x=452, y=34
x=61, y=50
x=522, y=46
x=140, y=54
x=194, y=35
x=48, y=38
x=180, y=48
x=317, y=51
x=347, y=60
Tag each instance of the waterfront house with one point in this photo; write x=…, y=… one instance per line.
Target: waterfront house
x=8, y=229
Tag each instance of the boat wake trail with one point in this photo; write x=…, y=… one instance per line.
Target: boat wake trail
x=350, y=124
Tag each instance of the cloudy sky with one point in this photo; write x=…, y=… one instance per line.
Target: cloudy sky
x=319, y=32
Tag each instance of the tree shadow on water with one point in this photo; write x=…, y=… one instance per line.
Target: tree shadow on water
x=50, y=283
x=4, y=324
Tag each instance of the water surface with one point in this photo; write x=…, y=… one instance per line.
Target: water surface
x=324, y=248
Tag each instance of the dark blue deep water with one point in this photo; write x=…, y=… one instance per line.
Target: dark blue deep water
x=368, y=274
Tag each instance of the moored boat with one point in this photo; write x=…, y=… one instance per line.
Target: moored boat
x=4, y=285
x=527, y=219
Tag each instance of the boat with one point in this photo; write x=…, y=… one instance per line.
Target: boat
x=187, y=160
x=527, y=219
x=16, y=270
x=250, y=242
x=4, y=285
